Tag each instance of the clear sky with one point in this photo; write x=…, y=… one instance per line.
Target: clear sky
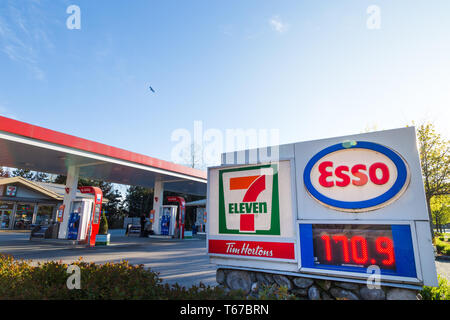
x=312, y=69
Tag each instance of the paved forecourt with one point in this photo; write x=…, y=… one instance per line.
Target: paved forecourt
x=178, y=261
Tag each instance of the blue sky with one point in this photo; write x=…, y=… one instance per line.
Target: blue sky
x=311, y=69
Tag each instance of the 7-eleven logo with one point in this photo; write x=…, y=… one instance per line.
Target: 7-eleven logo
x=248, y=208
x=249, y=200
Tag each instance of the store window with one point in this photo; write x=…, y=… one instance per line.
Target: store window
x=24, y=216
x=6, y=210
x=44, y=215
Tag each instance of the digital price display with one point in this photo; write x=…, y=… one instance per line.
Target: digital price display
x=355, y=247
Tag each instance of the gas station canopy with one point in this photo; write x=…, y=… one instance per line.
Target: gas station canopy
x=26, y=146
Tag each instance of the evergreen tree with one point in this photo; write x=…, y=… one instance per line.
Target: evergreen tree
x=138, y=200
x=60, y=179
x=4, y=172
x=24, y=173
x=41, y=177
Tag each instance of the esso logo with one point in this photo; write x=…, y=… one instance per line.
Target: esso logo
x=362, y=177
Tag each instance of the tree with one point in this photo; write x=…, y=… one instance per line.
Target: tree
x=138, y=200
x=435, y=160
x=24, y=173
x=31, y=175
x=41, y=177
x=440, y=210
x=4, y=172
x=60, y=179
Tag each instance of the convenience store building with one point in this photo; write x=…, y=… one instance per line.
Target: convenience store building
x=25, y=203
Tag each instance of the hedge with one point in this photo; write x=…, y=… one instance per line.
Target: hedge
x=442, y=247
x=20, y=280
x=109, y=281
x=441, y=292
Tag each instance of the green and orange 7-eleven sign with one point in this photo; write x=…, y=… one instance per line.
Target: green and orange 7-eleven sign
x=249, y=201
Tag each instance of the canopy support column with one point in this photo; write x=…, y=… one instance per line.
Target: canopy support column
x=157, y=204
x=69, y=197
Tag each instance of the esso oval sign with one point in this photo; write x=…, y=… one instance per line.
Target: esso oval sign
x=356, y=177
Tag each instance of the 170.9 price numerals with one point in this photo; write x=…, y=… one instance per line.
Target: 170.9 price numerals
x=356, y=250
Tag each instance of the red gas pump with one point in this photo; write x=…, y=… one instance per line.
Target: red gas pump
x=94, y=221
x=181, y=203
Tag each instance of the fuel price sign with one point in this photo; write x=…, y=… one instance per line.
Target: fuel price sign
x=355, y=247
x=361, y=206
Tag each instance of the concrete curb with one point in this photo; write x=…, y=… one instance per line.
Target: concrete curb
x=59, y=242
x=442, y=258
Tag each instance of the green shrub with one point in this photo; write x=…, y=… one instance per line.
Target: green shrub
x=103, y=228
x=442, y=247
x=110, y=281
x=274, y=292
x=442, y=292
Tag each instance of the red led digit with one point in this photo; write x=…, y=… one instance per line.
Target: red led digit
x=345, y=249
x=355, y=255
x=326, y=239
x=386, y=246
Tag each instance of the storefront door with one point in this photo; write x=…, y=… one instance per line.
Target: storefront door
x=6, y=210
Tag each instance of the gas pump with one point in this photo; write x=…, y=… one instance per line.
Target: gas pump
x=79, y=219
x=165, y=223
x=73, y=226
x=94, y=215
x=168, y=220
x=181, y=216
